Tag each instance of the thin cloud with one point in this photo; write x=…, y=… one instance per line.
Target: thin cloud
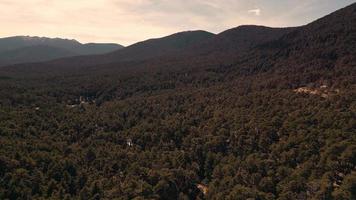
x=130, y=21
x=256, y=12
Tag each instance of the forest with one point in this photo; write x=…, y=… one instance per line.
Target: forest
x=275, y=120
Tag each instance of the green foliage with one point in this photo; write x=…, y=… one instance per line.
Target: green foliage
x=216, y=127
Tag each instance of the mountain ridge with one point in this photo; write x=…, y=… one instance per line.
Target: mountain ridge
x=197, y=42
x=12, y=48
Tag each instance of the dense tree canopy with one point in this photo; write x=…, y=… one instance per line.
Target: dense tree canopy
x=202, y=127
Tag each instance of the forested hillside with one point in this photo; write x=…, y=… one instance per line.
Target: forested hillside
x=274, y=119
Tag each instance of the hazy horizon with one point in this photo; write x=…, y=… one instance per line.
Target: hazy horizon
x=126, y=22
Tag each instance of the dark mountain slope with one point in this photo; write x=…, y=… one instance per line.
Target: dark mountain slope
x=326, y=44
x=33, y=54
x=97, y=48
x=153, y=48
x=160, y=47
x=17, y=42
x=17, y=49
x=241, y=39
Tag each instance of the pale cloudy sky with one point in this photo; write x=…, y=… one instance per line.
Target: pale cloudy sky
x=130, y=21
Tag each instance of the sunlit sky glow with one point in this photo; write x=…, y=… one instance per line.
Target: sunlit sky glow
x=129, y=21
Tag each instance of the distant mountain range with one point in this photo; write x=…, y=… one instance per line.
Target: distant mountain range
x=22, y=49
x=238, y=40
x=184, y=44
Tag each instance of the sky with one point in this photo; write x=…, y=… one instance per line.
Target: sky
x=129, y=21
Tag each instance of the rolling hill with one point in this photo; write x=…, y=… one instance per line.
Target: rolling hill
x=154, y=48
